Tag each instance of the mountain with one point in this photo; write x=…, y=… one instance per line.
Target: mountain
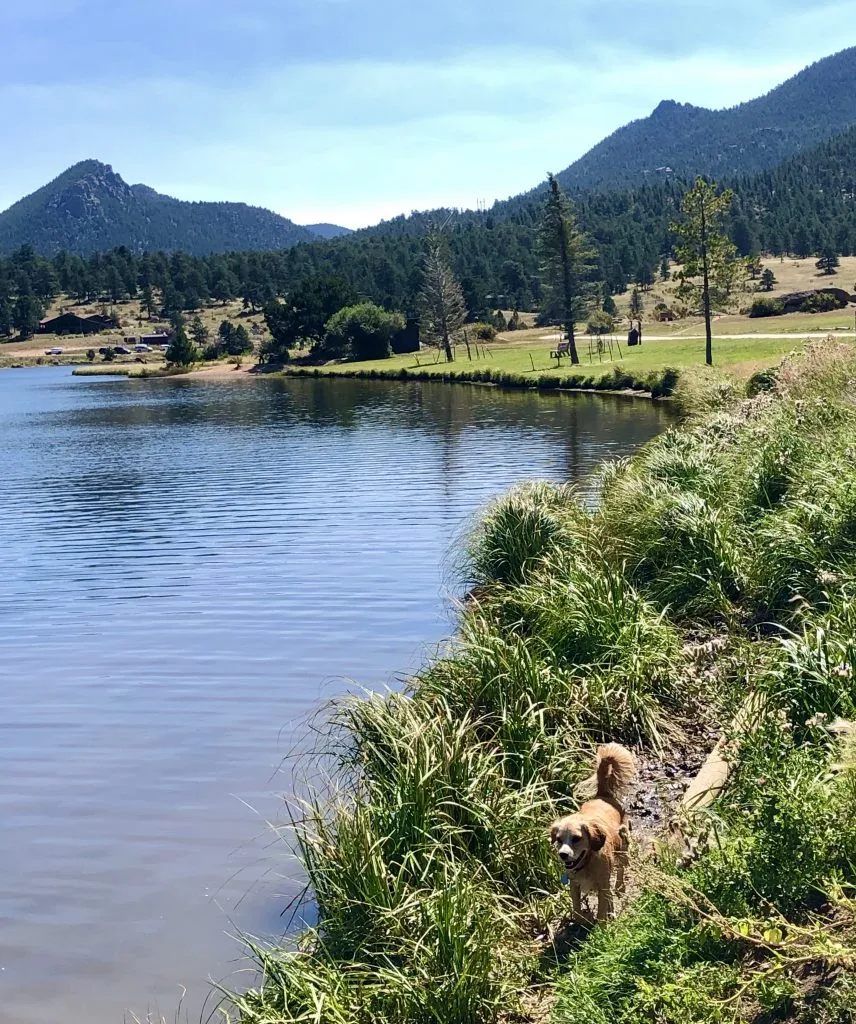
x=683, y=140
x=89, y=208
x=328, y=230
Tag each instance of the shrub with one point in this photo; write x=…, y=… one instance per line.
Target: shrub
x=762, y=380
x=821, y=302
x=599, y=323
x=483, y=331
x=766, y=307
x=363, y=331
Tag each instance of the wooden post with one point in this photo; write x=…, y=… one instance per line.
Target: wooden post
x=532, y=361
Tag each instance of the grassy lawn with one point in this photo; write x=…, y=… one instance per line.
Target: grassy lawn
x=742, y=357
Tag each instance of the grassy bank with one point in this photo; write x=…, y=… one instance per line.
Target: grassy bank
x=721, y=561
x=651, y=368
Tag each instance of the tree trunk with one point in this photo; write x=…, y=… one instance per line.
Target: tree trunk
x=572, y=341
x=705, y=292
x=447, y=348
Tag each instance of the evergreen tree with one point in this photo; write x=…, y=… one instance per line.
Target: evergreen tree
x=644, y=276
x=708, y=258
x=636, y=304
x=609, y=305
x=181, y=350
x=768, y=280
x=829, y=261
x=148, y=303
x=199, y=332
x=27, y=313
x=567, y=262
x=801, y=244
x=742, y=237
x=441, y=300
x=115, y=284
x=304, y=313
x=664, y=269
x=6, y=309
x=234, y=341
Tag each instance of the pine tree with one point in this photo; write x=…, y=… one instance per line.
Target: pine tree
x=441, y=301
x=743, y=237
x=199, y=332
x=6, y=310
x=27, y=313
x=829, y=261
x=147, y=302
x=567, y=262
x=768, y=280
x=708, y=258
x=636, y=303
x=181, y=350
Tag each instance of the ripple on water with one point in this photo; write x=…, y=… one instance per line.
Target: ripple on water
x=189, y=570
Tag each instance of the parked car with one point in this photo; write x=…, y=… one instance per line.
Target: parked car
x=142, y=348
x=120, y=350
x=53, y=351
x=164, y=348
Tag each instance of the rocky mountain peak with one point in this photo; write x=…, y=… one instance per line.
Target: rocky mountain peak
x=85, y=197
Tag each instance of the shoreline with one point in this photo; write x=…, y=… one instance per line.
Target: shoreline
x=624, y=385
x=650, y=621
x=657, y=386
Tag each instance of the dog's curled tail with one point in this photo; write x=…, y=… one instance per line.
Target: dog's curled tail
x=615, y=769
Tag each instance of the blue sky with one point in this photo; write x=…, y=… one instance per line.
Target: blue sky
x=354, y=110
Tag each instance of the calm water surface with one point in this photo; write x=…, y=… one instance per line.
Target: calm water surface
x=188, y=570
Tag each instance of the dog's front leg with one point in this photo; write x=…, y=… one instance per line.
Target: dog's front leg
x=576, y=899
x=604, y=904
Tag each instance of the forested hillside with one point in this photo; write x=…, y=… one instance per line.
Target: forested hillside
x=89, y=208
x=805, y=206
x=678, y=139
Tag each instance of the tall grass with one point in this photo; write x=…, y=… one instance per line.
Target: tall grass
x=426, y=850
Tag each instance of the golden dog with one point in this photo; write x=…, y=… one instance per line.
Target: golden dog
x=593, y=842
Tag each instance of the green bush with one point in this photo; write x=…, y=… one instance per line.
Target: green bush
x=483, y=331
x=361, y=332
x=821, y=302
x=766, y=307
x=761, y=380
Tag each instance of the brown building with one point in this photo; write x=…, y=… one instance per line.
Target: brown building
x=71, y=323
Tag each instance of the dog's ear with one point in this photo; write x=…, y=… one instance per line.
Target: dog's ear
x=596, y=835
x=554, y=832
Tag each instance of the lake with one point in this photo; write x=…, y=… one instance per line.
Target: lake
x=190, y=569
